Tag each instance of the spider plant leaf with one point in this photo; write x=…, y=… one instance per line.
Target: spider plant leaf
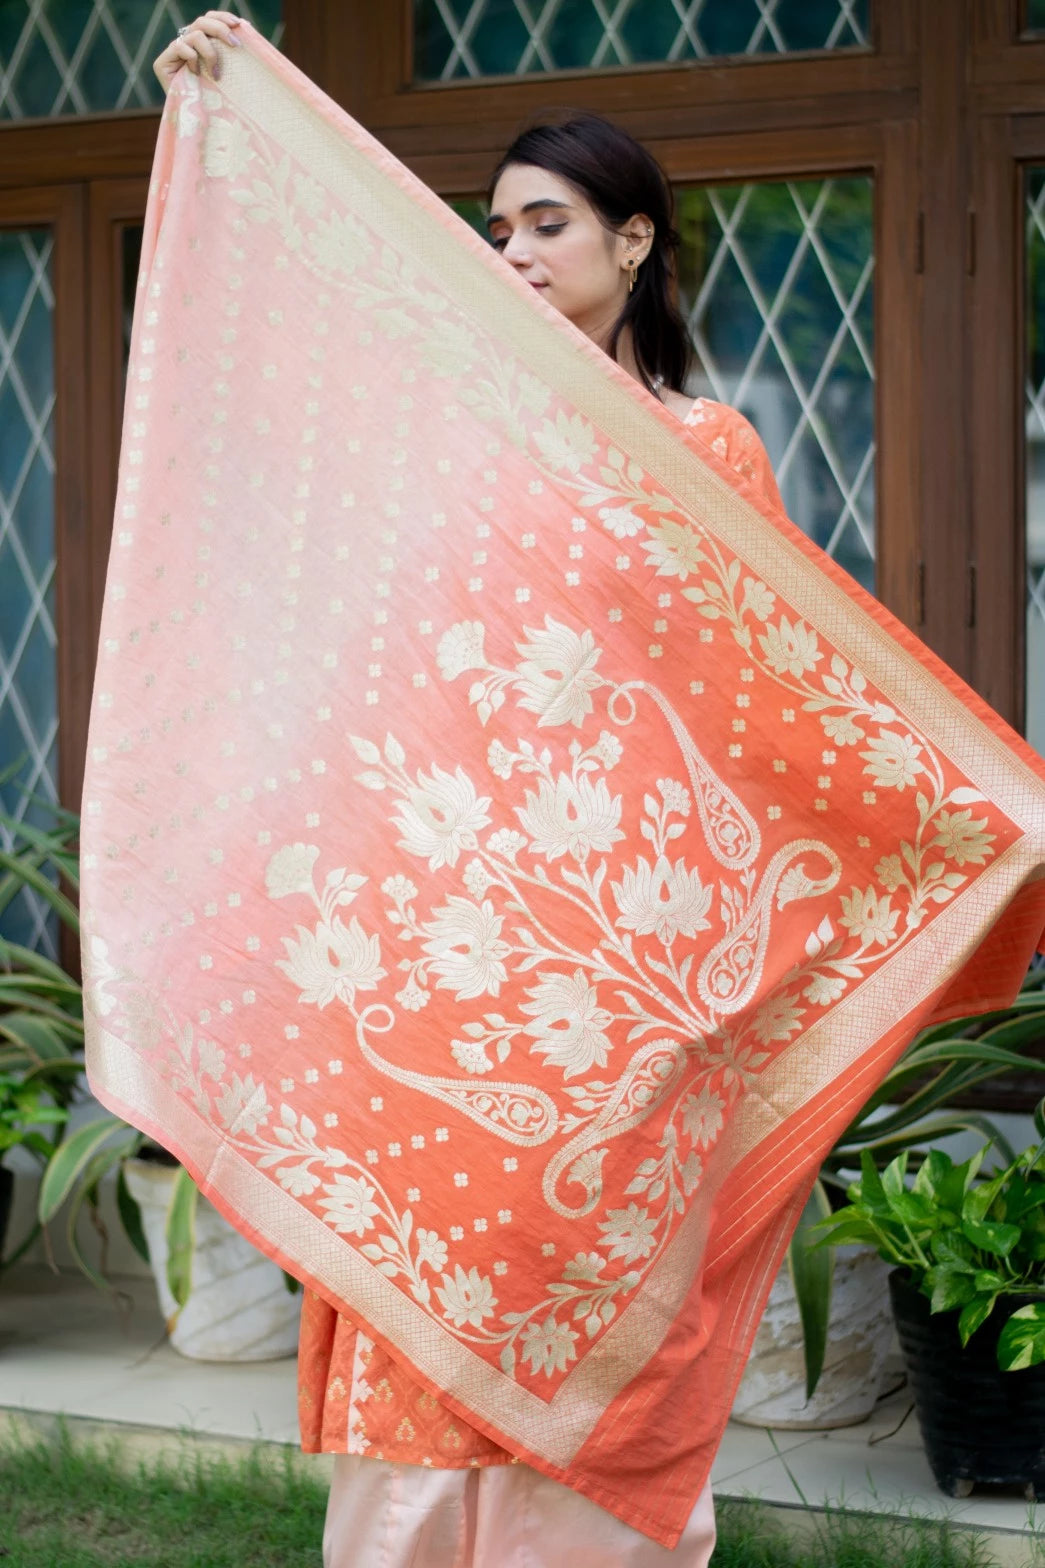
x=181, y=1235
x=812, y=1275
x=131, y=1216
x=21, y=871
x=38, y=1039
x=71, y=1159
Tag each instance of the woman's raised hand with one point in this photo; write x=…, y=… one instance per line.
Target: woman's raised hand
x=197, y=47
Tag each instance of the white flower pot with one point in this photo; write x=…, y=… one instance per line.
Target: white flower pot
x=239, y=1308
x=859, y=1338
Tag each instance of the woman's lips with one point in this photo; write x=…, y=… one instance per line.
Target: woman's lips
x=537, y=285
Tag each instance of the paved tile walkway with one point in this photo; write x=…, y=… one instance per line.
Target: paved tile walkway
x=64, y=1348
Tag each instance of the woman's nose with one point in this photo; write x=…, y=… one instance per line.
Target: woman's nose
x=516, y=250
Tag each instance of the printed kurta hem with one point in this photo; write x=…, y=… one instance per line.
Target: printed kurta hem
x=511, y=851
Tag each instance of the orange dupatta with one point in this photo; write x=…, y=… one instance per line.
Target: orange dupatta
x=511, y=851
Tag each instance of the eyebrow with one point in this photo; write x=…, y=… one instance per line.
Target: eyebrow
x=531, y=206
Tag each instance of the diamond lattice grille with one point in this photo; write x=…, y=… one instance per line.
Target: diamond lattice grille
x=777, y=283
x=474, y=38
x=28, y=695
x=1035, y=416
x=61, y=57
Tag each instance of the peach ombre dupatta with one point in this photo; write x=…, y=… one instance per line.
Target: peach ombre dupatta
x=511, y=851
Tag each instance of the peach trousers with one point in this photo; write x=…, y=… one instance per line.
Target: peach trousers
x=384, y=1515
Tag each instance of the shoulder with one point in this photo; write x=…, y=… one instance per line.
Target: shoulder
x=677, y=402
x=733, y=438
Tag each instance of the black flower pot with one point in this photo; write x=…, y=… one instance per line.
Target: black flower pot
x=7, y=1184
x=978, y=1423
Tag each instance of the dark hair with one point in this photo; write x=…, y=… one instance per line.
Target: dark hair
x=619, y=178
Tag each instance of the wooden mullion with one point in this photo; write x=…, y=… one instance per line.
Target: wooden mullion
x=1006, y=72
x=1027, y=137
x=898, y=368
x=996, y=402
x=894, y=27
x=305, y=37
x=61, y=209
x=941, y=410
x=112, y=206
x=993, y=25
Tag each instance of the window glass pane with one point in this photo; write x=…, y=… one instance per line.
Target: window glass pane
x=61, y=57
x=776, y=281
x=456, y=39
x=28, y=676
x=1035, y=449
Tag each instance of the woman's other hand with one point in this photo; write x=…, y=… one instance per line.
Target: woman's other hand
x=197, y=47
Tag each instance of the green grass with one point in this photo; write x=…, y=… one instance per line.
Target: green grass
x=749, y=1537
x=72, y=1503
x=67, y=1504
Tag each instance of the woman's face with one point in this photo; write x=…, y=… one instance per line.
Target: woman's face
x=553, y=238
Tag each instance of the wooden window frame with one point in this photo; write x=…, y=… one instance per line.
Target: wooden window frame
x=59, y=208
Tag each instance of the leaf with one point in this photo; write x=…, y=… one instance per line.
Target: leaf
x=394, y=753
x=939, y=1180
x=812, y=1275
x=17, y=957
x=977, y=1312
x=40, y=1040
x=72, y=1157
x=130, y=1216
x=30, y=877
x=181, y=1235
x=951, y=1288
x=371, y=780
x=872, y=1191
x=508, y=1360
x=952, y=1249
x=991, y=1236
x=1022, y=1340
x=845, y=1227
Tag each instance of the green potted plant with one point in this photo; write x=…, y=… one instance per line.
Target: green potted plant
x=210, y=1281
x=222, y=1299
x=968, y=1293
x=830, y=1308
x=26, y=1108
x=41, y=1014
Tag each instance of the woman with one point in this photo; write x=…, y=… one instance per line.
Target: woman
x=583, y=214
